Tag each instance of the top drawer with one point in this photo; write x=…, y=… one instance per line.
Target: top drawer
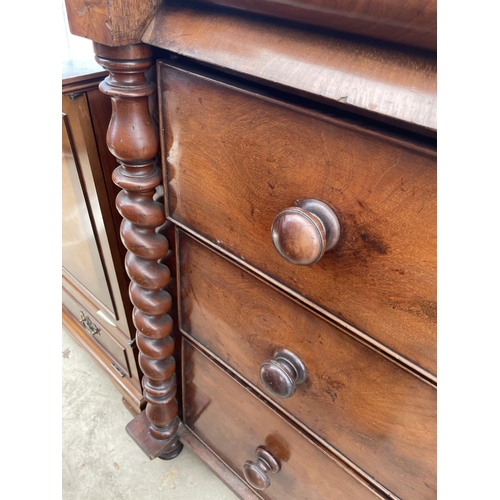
x=235, y=159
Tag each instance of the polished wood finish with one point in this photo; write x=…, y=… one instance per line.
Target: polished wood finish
x=133, y=139
x=298, y=236
x=110, y=22
x=412, y=23
x=87, y=113
x=327, y=369
x=75, y=83
x=256, y=473
x=303, y=233
x=360, y=404
x=281, y=374
x=235, y=159
x=100, y=109
x=82, y=257
x=386, y=82
x=232, y=422
x=96, y=307
x=139, y=430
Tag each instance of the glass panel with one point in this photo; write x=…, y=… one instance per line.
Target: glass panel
x=80, y=254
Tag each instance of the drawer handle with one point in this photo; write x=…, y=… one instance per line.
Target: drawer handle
x=256, y=473
x=118, y=370
x=303, y=233
x=280, y=375
x=89, y=326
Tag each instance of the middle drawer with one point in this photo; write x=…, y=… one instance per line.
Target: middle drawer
x=378, y=415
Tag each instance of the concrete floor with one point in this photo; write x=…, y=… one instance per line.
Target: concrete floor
x=100, y=461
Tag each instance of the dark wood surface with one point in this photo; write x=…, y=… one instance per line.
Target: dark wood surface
x=132, y=137
x=91, y=254
x=386, y=82
x=304, y=232
x=412, y=23
x=110, y=22
x=83, y=260
x=100, y=109
x=234, y=160
x=379, y=416
x=94, y=282
x=233, y=422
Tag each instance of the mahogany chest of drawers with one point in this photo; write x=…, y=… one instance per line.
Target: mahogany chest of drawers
x=279, y=201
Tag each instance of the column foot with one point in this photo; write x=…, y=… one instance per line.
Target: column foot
x=138, y=430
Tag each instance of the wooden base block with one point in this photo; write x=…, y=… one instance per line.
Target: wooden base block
x=138, y=429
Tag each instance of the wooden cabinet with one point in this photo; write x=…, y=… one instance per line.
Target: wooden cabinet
x=96, y=308
x=278, y=195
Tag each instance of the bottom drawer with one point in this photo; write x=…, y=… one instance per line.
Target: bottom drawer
x=95, y=330
x=233, y=422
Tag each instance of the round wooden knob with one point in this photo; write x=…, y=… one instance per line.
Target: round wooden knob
x=280, y=375
x=303, y=233
x=256, y=473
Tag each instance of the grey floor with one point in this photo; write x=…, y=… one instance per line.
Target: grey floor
x=100, y=461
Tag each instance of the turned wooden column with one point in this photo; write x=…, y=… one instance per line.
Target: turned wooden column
x=133, y=139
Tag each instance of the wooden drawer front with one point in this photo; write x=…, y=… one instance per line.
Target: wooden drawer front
x=96, y=330
x=235, y=159
x=233, y=423
x=375, y=413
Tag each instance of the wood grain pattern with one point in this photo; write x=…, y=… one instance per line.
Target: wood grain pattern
x=379, y=416
x=386, y=82
x=234, y=160
x=412, y=23
x=132, y=137
x=233, y=422
x=110, y=22
x=363, y=420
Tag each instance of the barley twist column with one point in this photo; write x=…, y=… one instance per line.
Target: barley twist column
x=133, y=138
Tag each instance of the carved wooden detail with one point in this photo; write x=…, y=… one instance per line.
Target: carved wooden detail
x=133, y=139
x=110, y=22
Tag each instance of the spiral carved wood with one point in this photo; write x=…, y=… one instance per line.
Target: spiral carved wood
x=133, y=139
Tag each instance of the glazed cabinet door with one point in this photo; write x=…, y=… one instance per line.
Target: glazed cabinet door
x=94, y=297
x=82, y=258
